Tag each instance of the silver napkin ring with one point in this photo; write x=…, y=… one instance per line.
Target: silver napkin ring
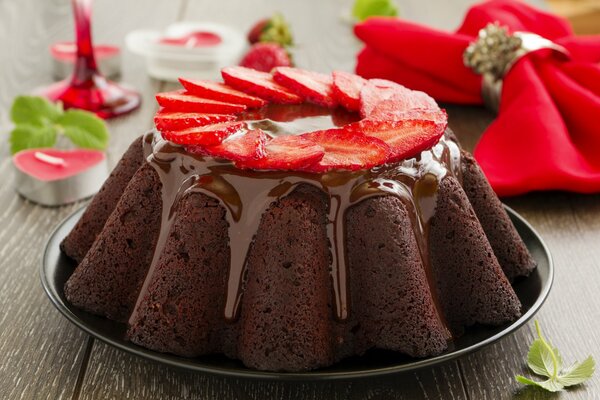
x=496, y=51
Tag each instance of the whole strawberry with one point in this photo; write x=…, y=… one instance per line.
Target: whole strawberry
x=266, y=56
x=271, y=30
x=257, y=30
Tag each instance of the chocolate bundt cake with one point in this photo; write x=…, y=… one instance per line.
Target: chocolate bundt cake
x=230, y=230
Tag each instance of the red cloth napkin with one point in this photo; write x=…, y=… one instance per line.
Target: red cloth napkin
x=547, y=134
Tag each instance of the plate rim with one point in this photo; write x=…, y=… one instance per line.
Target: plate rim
x=187, y=364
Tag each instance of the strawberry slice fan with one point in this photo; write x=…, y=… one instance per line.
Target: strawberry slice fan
x=223, y=119
x=547, y=133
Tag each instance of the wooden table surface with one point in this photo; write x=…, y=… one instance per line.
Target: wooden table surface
x=43, y=356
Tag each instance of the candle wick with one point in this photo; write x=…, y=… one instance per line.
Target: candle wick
x=48, y=159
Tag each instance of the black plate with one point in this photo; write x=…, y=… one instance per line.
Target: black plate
x=532, y=291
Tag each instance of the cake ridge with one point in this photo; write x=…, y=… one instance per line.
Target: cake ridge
x=181, y=172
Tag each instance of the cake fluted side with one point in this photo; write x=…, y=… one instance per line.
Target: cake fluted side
x=108, y=279
x=392, y=299
x=286, y=314
x=471, y=285
x=508, y=246
x=182, y=309
x=80, y=239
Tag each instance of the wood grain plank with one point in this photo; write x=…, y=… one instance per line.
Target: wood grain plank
x=132, y=378
x=441, y=382
x=114, y=374
x=41, y=352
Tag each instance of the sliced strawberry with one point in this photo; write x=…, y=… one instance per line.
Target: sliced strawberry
x=347, y=150
x=406, y=138
x=259, y=84
x=421, y=100
x=312, y=86
x=245, y=147
x=377, y=91
x=208, y=135
x=179, y=101
x=287, y=153
x=346, y=89
x=387, y=110
x=175, y=121
x=220, y=92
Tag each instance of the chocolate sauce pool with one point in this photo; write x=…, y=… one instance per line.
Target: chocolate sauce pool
x=247, y=194
x=285, y=119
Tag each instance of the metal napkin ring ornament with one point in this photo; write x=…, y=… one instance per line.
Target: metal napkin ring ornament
x=495, y=52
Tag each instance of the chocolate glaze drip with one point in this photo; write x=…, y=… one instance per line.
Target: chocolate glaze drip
x=247, y=194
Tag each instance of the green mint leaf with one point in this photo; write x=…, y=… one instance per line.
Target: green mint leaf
x=367, y=8
x=84, y=129
x=535, y=361
x=31, y=137
x=540, y=358
x=545, y=360
x=549, y=355
x=578, y=372
x=33, y=110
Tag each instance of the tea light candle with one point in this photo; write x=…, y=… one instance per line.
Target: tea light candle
x=193, y=39
x=63, y=56
x=53, y=177
x=192, y=49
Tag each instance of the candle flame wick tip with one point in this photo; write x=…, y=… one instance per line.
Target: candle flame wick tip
x=48, y=159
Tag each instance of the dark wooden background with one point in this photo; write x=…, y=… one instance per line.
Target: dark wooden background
x=42, y=356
